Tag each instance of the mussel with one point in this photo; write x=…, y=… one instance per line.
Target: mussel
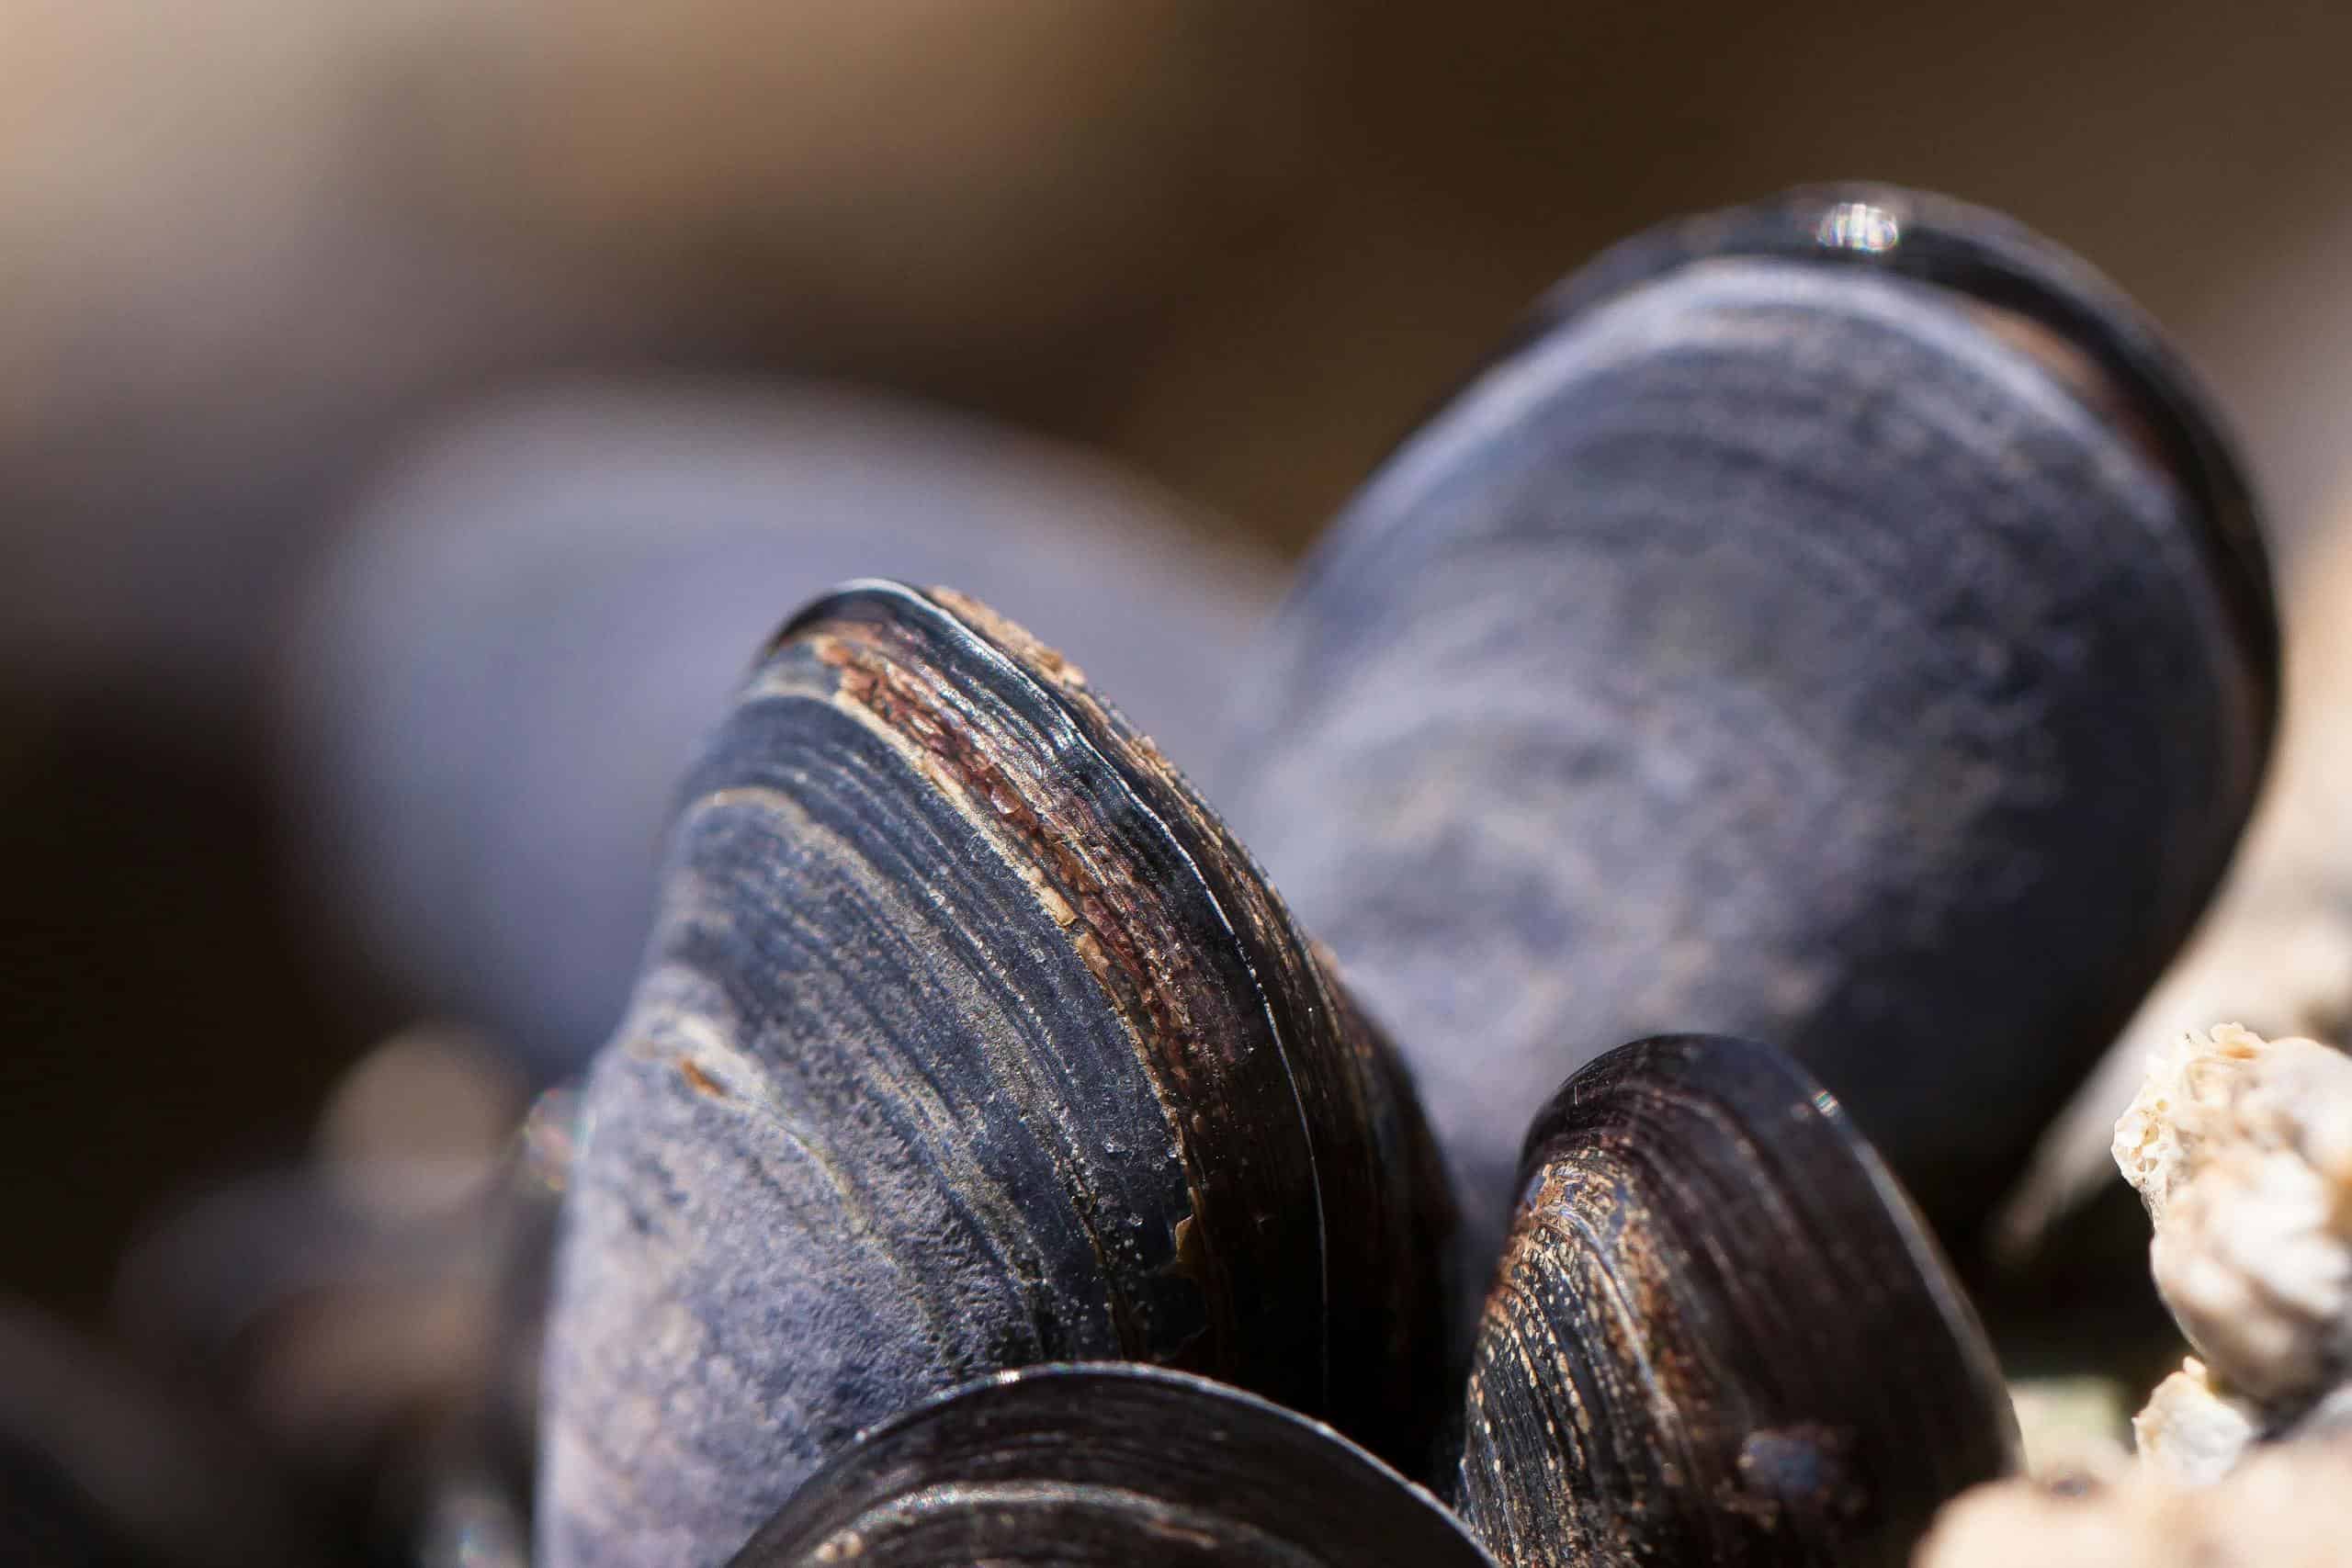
x=1836, y=621
x=1720, y=1334
x=968, y=1040
x=1117, y=1465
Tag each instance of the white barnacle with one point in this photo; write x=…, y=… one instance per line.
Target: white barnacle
x=2192, y=1432
x=2241, y=1150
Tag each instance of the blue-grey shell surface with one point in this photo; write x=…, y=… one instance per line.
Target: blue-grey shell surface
x=1773, y=642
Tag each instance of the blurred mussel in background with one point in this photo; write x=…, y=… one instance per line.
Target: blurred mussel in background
x=372, y=1312
x=511, y=655
x=101, y=1465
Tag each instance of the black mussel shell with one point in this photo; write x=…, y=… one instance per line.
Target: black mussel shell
x=968, y=1040
x=1836, y=621
x=1720, y=1333
x=1110, y=1464
x=2125, y=364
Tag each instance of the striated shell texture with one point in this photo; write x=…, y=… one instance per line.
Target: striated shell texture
x=1720, y=1334
x=968, y=1040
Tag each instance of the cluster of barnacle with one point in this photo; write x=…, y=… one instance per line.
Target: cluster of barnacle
x=1834, y=623
x=2241, y=1150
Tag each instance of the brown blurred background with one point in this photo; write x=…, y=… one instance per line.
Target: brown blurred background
x=248, y=247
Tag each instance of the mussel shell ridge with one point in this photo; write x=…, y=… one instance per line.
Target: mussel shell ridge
x=1975, y=254
x=968, y=1041
x=1720, y=1333
x=1114, y=1465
